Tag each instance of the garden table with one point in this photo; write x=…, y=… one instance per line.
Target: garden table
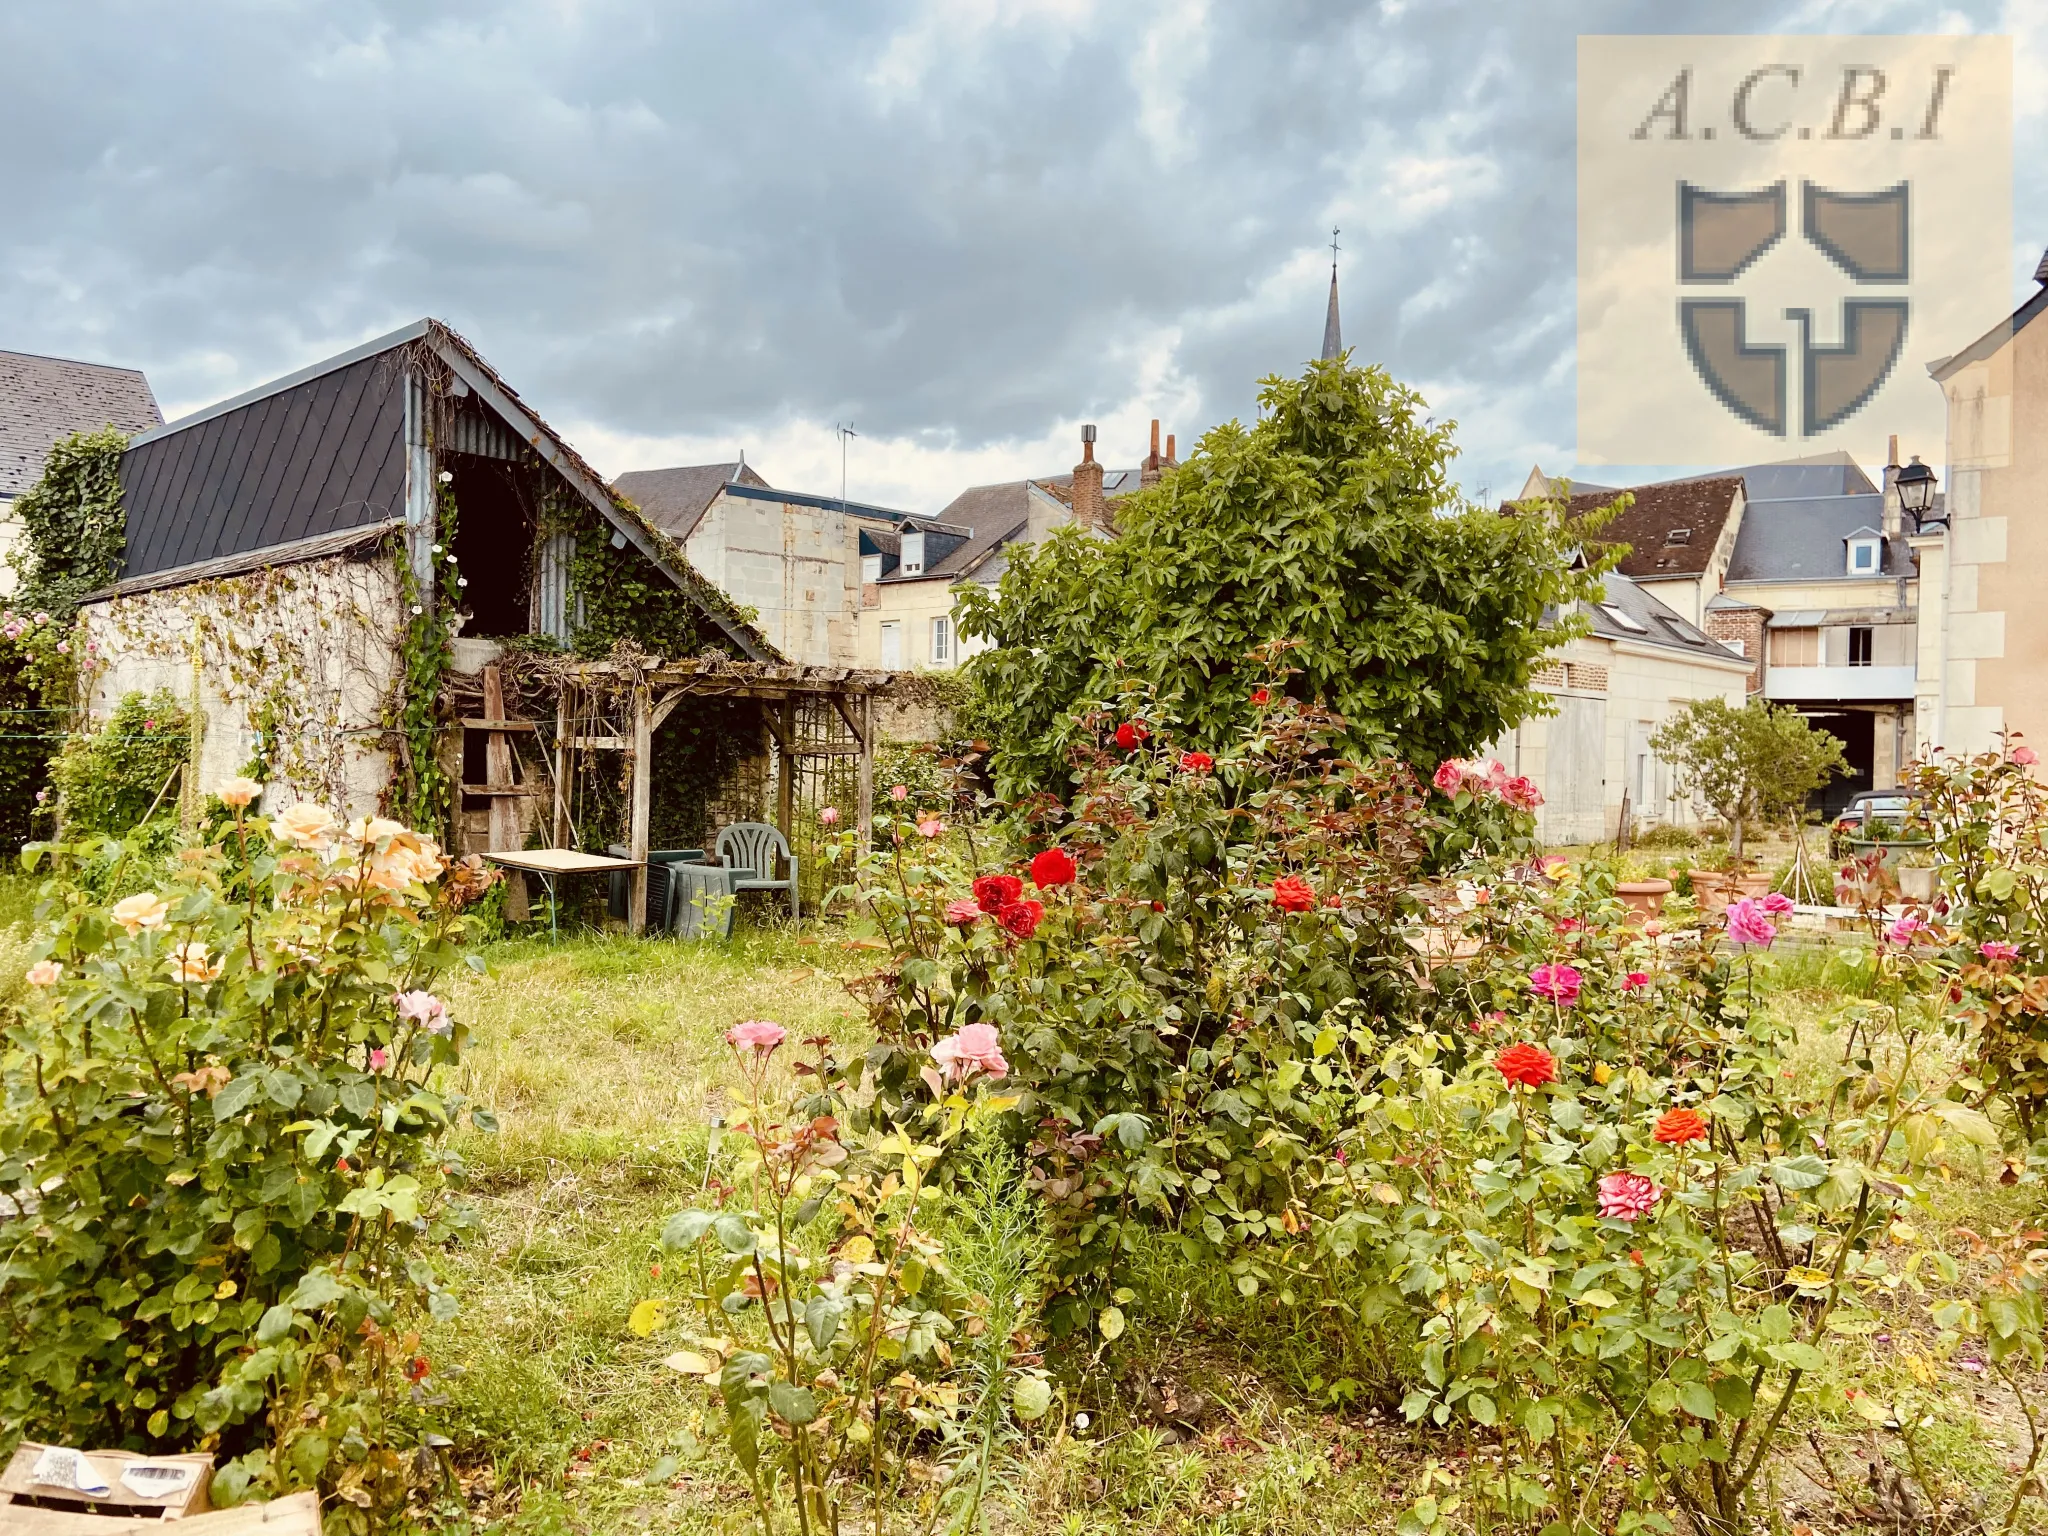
x=548, y=863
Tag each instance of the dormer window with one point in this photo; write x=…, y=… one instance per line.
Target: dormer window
x=913, y=553
x=1678, y=536
x=1866, y=552
x=870, y=568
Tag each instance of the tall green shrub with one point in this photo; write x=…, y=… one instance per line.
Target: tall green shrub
x=1330, y=523
x=108, y=780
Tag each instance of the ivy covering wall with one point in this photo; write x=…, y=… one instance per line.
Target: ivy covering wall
x=72, y=531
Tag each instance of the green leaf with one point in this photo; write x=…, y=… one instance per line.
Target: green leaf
x=821, y=1320
x=1796, y=1173
x=237, y=1096
x=1799, y=1357
x=733, y=1233
x=275, y=1323
x=685, y=1229
x=1111, y=1322
x=791, y=1403
x=1482, y=1408
x=1030, y=1398
x=1697, y=1399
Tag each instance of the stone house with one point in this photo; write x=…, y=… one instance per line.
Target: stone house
x=1983, y=656
x=44, y=400
x=1610, y=691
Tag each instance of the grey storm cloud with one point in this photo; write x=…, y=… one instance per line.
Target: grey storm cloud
x=959, y=223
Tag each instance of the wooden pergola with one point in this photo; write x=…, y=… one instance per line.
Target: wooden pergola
x=612, y=706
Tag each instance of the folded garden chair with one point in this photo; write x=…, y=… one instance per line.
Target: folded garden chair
x=661, y=890
x=749, y=849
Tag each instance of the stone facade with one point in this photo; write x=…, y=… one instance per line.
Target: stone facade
x=305, y=656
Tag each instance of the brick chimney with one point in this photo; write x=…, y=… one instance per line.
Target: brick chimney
x=1891, y=519
x=1172, y=458
x=1148, y=472
x=1089, y=509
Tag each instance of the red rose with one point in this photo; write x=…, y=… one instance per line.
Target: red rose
x=1259, y=696
x=1022, y=917
x=1675, y=1127
x=417, y=1368
x=1527, y=1066
x=1291, y=893
x=1196, y=762
x=1055, y=866
x=1129, y=734
x=992, y=893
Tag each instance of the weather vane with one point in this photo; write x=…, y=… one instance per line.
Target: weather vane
x=1334, y=247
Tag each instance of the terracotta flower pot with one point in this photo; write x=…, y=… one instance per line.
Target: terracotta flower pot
x=1645, y=898
x=1710, y=890
x=1755, y=886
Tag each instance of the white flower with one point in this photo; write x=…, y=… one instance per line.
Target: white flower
x=447, y=477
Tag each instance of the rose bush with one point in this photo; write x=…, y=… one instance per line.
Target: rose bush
x=221, y=1169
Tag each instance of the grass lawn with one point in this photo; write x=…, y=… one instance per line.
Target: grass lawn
x=603, y=1058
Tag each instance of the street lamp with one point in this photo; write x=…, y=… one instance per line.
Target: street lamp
x=1916, y=495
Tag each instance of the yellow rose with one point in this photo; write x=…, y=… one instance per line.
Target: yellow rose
x=239, y=793
x=143, y=910
x=307, y=825
x=189, y=962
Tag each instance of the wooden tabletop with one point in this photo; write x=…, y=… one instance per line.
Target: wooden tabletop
x=561, y=861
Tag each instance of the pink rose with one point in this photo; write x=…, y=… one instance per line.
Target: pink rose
x=2024, y=756
x=1628, y=1196
x=1450, y=773
x=1777, y=904
x=1635, y=980
x=1906, y=931
x=423, y=1008
x=976, y=1048
x=1998, y=952
x=1748, y=926
x=899, y=792
x=963, y=914
x=1559, y=983
x=1521, y=793
x=756, y=1035
x=379, y=1059
x=829, y=816
x=931, y=826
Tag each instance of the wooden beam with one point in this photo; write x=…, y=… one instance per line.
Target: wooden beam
x=507, y=826
x=505, y=792
x=565, y=832
x=775, y=731
x=860, y=736
x=642, y=804
x=785, y=789
x=602, y=743
x=667, y=706
x=498, y=725
x=865, y=777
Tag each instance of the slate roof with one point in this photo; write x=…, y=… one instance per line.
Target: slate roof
x=1650, y=622
x=1696, y=510
x=675, y=500
x=1801, y=538
x=45, y=399
x=1820, y=474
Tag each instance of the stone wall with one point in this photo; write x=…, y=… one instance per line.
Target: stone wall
x=309, y=650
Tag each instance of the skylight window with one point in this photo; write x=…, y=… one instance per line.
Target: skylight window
x=1678, y=536
x=1624, y=619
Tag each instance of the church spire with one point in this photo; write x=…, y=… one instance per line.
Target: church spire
x=1333, y=335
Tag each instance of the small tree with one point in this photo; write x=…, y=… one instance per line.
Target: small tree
x=1330, y=526
x=1756, y=763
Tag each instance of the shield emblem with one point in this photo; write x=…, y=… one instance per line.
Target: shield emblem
x=1721, y=233
x=1863, y=233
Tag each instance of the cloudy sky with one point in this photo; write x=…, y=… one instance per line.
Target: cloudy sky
x=965, y=226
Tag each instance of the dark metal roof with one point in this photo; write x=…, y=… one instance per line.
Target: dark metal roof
x=988, y=516
x=322, y=450
x=44, y=400
x=1801, y=539
x=675, y=500
x=312, y=458
x=1820, y=474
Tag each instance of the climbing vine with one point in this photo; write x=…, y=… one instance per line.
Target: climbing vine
x=114, y=779
x=72, y=532
x=422, y=795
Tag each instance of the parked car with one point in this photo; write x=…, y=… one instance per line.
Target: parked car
x=1869, y=813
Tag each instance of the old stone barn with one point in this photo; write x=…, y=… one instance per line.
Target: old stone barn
x=384, y=583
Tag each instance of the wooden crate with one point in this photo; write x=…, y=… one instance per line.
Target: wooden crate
x=18, y=1486
x=296, y=1515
